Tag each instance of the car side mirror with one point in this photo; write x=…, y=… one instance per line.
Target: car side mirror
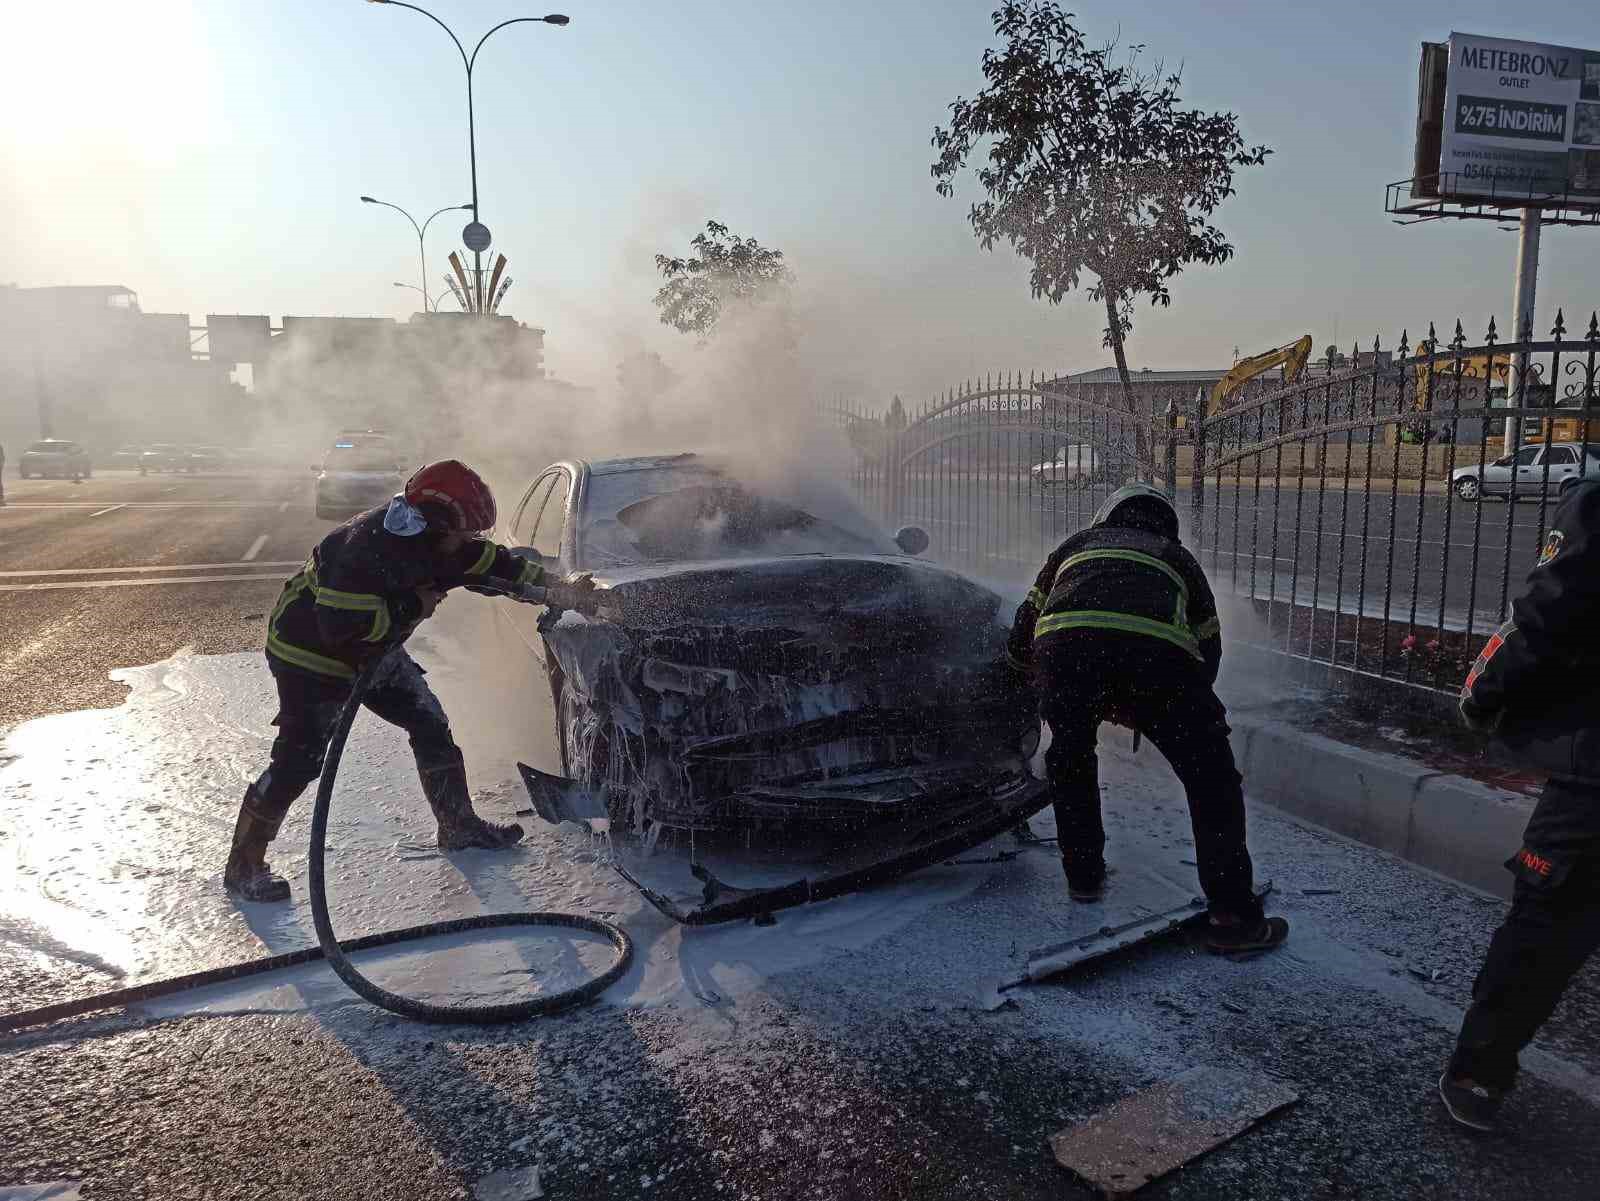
x=911, y=539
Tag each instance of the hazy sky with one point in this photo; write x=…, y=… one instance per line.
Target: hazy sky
x=210, y=156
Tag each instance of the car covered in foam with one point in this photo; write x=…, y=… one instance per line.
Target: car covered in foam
x=782, y=672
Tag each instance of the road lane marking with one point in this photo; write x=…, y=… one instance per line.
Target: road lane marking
x=255, y=548
x=182, y=579
x=138, y=570
x=112, y=509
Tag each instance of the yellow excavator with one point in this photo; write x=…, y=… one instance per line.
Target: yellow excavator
x=1293, y=357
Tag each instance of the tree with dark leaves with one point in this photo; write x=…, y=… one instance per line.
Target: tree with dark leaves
x=723, y=268
x=1093, y=166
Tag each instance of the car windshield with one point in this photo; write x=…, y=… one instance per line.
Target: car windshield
x=684, y=514
x=359, y=458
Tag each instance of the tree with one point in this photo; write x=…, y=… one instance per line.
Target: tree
x=723, y=268
x=644, y=375
x=1093, y=166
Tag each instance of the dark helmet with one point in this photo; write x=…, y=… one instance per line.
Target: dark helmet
x=1142, y=506
x=451, y=496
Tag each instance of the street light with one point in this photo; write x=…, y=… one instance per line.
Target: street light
x=421, y=229
x=468, y=61
x=429, y=303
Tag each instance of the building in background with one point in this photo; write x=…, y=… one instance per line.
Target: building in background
x=88, y=364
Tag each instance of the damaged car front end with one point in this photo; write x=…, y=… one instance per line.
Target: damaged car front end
x=840, y=712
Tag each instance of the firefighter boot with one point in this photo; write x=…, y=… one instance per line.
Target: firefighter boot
x=445, y=786
x=247, y=875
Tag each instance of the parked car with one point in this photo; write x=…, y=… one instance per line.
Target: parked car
x=1556, y=467
x=355, y=476
x=55, y=457
x=1076, y=465
x=126, y=458
x=163, y=456
x=776, y=678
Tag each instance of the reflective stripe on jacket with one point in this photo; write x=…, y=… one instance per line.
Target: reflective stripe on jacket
x=357, y=594
x=1126, y=580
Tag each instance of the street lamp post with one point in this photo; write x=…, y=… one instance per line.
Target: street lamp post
x=422, y=229
x=430, y=304
x=468, y=61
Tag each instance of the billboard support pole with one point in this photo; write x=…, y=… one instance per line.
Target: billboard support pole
x=1522, y=302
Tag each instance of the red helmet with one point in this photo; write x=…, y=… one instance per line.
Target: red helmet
x=452, y=496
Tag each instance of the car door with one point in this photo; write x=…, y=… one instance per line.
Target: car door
x=1563, y=465
x=539, y=526
x=524, y=619
x=1519, y=467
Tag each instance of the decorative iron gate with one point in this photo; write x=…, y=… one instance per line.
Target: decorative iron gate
x=1346, y=512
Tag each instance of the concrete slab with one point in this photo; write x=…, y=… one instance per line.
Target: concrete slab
x=1143, y=1137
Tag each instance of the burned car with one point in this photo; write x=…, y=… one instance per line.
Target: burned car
x=776, y=680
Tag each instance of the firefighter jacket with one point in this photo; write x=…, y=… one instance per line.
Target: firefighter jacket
x=1534, y=683
x=356, y=596
x=1125, y=579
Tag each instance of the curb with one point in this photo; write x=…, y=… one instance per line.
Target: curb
x=1460, y=828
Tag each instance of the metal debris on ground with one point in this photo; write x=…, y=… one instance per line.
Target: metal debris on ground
x=512, y=1184
x=1320, y=892
x=1143, y=1137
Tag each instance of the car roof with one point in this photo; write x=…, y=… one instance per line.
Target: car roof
x=643, y=463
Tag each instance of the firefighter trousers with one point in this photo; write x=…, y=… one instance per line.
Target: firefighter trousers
x=1552, y=928
x=308, y=709
x=1084, y=676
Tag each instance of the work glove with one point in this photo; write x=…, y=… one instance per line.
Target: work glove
x=580, y=593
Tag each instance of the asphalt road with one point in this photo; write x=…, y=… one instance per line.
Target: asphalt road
x=864, y=1076
x=1250, y=541
x=123, y=569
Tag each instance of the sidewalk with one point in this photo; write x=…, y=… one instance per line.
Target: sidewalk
x=1375, y=784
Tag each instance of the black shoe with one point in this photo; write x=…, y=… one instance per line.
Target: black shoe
x=1087, y=883
x=1231, y=938
x=1469, y=1103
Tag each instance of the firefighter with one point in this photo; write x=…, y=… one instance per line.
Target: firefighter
x=364, y=589
x=1533, y=688
x=1121, y=626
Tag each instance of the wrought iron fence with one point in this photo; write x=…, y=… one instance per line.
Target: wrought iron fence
x=1346, y=514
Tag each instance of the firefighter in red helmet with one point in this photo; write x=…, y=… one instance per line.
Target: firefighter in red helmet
x=366, y=586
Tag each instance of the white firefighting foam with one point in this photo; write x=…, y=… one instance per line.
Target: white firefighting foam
x=116, y=824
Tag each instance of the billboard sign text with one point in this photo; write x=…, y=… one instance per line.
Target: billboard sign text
x=1520, y=119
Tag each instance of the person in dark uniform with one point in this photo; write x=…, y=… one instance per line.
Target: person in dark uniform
x=364, y=589
x=1121, y=626
x=1534, y=688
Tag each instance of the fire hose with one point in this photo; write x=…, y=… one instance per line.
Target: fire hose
x=338, y=953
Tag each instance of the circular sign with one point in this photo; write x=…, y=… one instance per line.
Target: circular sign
x=476, y=237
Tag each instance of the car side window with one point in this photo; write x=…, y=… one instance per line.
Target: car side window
x=1525, y=457
x=528, y=515
x=1560, y=456
x=547, y=530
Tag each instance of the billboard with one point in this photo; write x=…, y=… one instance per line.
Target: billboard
x=1520, y=119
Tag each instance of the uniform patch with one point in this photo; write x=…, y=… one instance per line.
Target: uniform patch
x=1552, y=547
x=1540, y=869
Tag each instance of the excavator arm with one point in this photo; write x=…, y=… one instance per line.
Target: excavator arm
x=1293, y=357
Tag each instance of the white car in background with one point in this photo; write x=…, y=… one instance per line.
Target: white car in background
x=1551, y=469
x=1076, y=465
x=358, y=474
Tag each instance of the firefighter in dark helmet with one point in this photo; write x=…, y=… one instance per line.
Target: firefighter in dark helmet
x=364, y=589
x=1121, y=626
x=1533, y=687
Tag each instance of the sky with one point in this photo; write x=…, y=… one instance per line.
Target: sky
x=210, y=155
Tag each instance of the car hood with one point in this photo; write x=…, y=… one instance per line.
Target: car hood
x=807, y=593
